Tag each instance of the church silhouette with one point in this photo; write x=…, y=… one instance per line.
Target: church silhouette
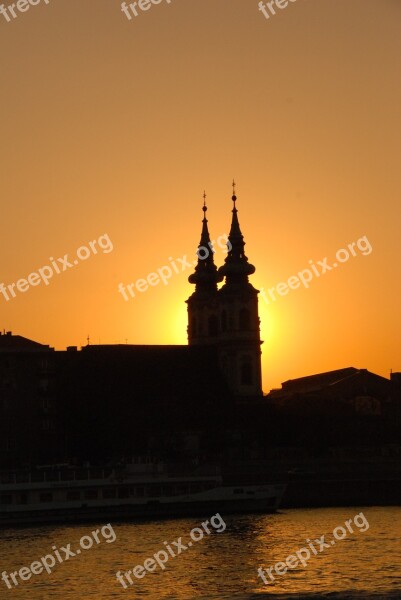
x=110, y=402
x=200, y=403
x=227, y=318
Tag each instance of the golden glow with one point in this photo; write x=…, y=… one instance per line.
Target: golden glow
x=302, y=109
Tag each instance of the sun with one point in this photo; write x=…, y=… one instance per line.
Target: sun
x=176, y=330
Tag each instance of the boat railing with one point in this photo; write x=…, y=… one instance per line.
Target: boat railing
x=53, y=476
x=119, y=474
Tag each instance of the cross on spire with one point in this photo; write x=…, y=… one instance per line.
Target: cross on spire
x=205, y=277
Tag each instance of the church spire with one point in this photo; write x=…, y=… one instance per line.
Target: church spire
x=205, y=236
x=206, y=276
x=236, y=268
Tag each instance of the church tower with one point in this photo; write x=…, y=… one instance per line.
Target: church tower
x=239, y=339
x=203, y=310
x=227, y=318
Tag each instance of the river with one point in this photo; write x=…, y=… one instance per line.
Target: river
x=358, y=560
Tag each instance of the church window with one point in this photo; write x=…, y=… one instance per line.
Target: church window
x=244, y=319
x=246, y=372
x=224, y=320
x=213, y=326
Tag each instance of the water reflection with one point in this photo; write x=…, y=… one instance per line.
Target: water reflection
x=221, y=565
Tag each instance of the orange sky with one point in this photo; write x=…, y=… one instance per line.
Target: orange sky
x=115, y=127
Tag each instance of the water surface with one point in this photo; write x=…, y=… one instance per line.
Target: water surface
x=365, y=564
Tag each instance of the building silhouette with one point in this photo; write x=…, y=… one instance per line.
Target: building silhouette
x=227, y=318
x=202, y=401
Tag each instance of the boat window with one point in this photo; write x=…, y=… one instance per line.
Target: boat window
x=238, y=491
x=7, y=478
x=90, y=494
x=46, y=497
x=139, y=491
x=6, y=499
x=96, y=473
x=74, y=495
x=196, y=487
x=123, y=492
x=209, y=485
x=109, y=493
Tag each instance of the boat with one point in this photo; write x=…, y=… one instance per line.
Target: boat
x=138, y=490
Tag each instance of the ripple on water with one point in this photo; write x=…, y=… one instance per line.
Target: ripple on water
x=223, y=566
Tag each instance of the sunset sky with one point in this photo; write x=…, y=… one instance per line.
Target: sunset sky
x=115, y=126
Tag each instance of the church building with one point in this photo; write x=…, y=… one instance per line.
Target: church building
x=227, y=318
x=103, y=401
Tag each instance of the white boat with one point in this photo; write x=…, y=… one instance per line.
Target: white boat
x=65, y=494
